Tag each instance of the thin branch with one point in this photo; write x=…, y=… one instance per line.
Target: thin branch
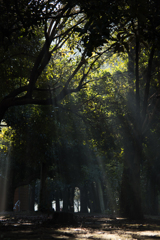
x=90, y=67
x=44, y=57
x=52, y=32
x=46, y=89
x=58, y=47
x=81, y=20
x=77, y=68
x=16, y=92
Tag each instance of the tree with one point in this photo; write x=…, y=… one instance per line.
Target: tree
x=19, y=18
x=65, y=21
x=137, y=28
x=57, y=33
x=127, y=26
x=133, y=157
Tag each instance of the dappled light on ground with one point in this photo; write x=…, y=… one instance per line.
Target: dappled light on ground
x=40, y=226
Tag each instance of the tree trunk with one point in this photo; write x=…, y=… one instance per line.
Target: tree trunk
x=100, y=194
x=91, y=199
x=96, y=204
x=9, y=198
x=10, y=187
x=151, y=198
x=130, y=198
x=71, y=199
x=65, y=199
x=32, y=197
x=43, y=197
x=83, y=199
x=57, y=202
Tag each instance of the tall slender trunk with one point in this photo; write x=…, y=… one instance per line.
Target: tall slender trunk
x=83, y=199
x=100, y=195
x=130, y=199
x=71, y=199
x=151, y=198
x=57, y=202
x=136, y=209
x=65, y=199
x=42, y=204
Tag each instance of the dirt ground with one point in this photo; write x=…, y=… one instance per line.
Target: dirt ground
x=23, y=226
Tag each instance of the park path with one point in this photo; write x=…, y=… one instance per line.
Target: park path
x=96, y=227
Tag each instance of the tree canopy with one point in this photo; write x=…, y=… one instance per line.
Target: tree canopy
x=90, y=72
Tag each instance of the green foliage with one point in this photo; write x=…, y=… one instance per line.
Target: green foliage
x=16, y=63
x=84, y=136
x=19, y=18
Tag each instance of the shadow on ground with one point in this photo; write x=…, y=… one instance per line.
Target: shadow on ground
x=81, y=227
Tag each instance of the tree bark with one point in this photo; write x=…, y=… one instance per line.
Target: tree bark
x=71, y=200
x=130, y=196
x=32, y=197
x=57, y=204
x=42, y=199
x=100, y=195
x=65, y=195
x=151, y=197
x=83, y=199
